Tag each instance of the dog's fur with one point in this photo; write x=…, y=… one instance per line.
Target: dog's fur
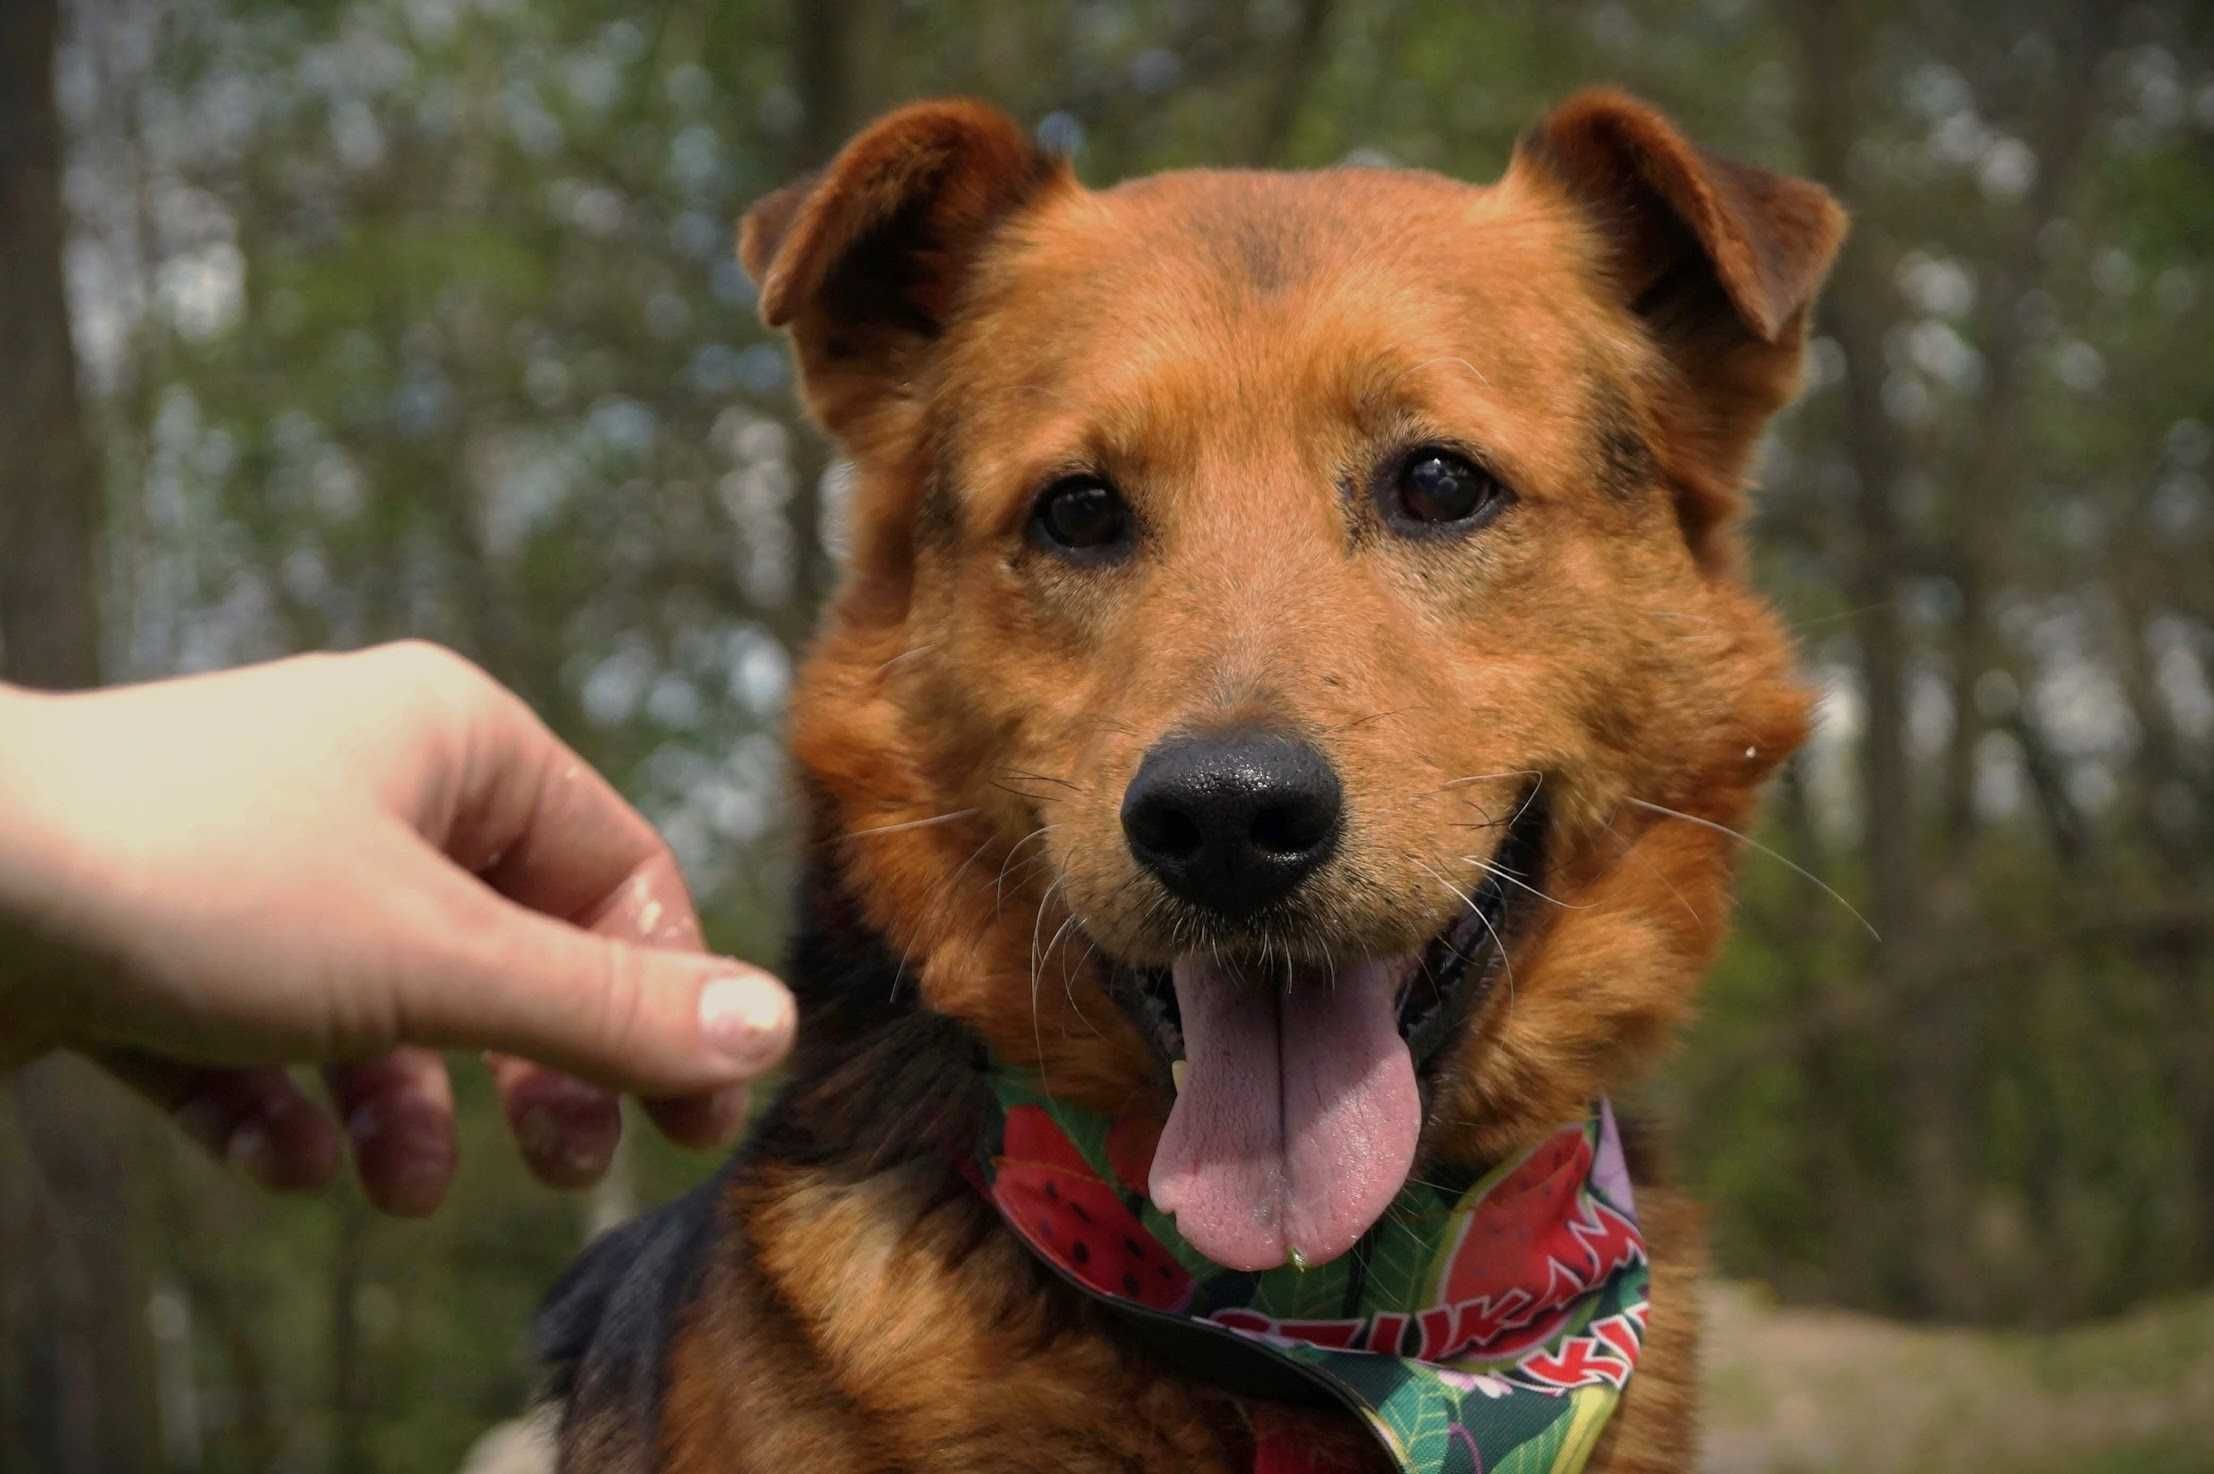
x=1607, y=328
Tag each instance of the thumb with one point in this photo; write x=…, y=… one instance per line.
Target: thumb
x=647, y=1020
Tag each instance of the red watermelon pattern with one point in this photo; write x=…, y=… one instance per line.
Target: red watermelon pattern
x=1535, y=1246
x=1045, y=1188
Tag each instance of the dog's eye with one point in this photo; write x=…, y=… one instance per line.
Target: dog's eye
x=1083, y=514
x=1437, y=487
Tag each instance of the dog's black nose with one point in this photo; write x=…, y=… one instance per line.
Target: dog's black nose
x=1232, y=820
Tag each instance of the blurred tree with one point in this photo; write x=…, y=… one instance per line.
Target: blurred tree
x=49, y=503
x=74, y=1366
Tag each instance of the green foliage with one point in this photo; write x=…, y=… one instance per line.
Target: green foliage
x=419, y=317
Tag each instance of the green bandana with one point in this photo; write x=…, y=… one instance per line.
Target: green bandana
x=1483, y=1326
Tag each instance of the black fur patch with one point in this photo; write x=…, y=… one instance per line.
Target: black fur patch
x=602, y=1329
x=876, y=1078
x=1626, y=462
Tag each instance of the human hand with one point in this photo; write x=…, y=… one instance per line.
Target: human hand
x=358, y=860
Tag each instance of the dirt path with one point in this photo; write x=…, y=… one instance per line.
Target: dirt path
x=1794, y=1391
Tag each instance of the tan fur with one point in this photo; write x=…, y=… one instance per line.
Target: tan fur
x=1611, y=323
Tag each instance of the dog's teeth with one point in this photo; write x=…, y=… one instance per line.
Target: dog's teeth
x=1296, y=1260
x=1176, y=1075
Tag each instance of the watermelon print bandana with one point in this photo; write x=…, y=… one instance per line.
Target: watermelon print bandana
x=1485, y=1326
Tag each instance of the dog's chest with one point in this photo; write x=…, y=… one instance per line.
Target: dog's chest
x=886, y=1325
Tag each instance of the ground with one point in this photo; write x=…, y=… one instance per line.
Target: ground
x=1799, y=1391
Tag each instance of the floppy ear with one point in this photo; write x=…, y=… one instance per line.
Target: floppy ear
x=864, y=260
x=1681, y=219
x=1718, y=260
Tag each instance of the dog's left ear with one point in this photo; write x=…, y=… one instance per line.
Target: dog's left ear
x=1719, y=261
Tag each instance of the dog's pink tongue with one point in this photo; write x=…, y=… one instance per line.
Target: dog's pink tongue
x=1296, y=1122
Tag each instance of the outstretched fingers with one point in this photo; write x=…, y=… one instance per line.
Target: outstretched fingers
x=255, y=1119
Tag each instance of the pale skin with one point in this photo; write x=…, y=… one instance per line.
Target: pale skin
x=356, y=862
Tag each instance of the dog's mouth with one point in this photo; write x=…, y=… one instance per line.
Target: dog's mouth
x=1299, y=1088
x=1438, y=987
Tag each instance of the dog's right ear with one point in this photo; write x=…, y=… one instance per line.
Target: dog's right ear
x=864, y=260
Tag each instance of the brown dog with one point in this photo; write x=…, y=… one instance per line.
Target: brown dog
x=1279, y=587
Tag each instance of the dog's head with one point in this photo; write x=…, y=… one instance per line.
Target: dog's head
x=1281, y=609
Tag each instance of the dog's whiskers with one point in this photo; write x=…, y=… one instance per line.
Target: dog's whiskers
x=1633, y=852
x=943, y=887
x=906, y=824
x=908, y=654
x=1528, y=799
x=1499, y=943
x=1456, y=360
x=1037, y=925
x=1068, y=985
x=1442, y=1187
x=1023, y=775
x=1374, y=716
x=1503, y=873
x=1018, y=874
x=1777, y=855
x=1025, y=794
x=1105, y=723
x=1489, y=778
x=999, y=887
x=1091, y=950
x=1037, y=1027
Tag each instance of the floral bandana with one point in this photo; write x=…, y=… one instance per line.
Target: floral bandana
x=1482, y=1327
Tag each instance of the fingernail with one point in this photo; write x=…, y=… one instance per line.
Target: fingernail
x=746, y=1020
x=250, y=1151
x=365, y=1124
x=567, y=1149
x=538, y=1132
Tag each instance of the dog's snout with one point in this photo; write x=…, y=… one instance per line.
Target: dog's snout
x=1233, y=820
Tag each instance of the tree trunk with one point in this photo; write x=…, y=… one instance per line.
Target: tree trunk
x=2001, y=455
x=49, y=479
x=81, y=1358
x=833, y=44
x=77, y=1338
x=1287, y=87
x=1852, y=313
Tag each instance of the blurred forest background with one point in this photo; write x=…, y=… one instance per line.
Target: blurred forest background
x=323, y=323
